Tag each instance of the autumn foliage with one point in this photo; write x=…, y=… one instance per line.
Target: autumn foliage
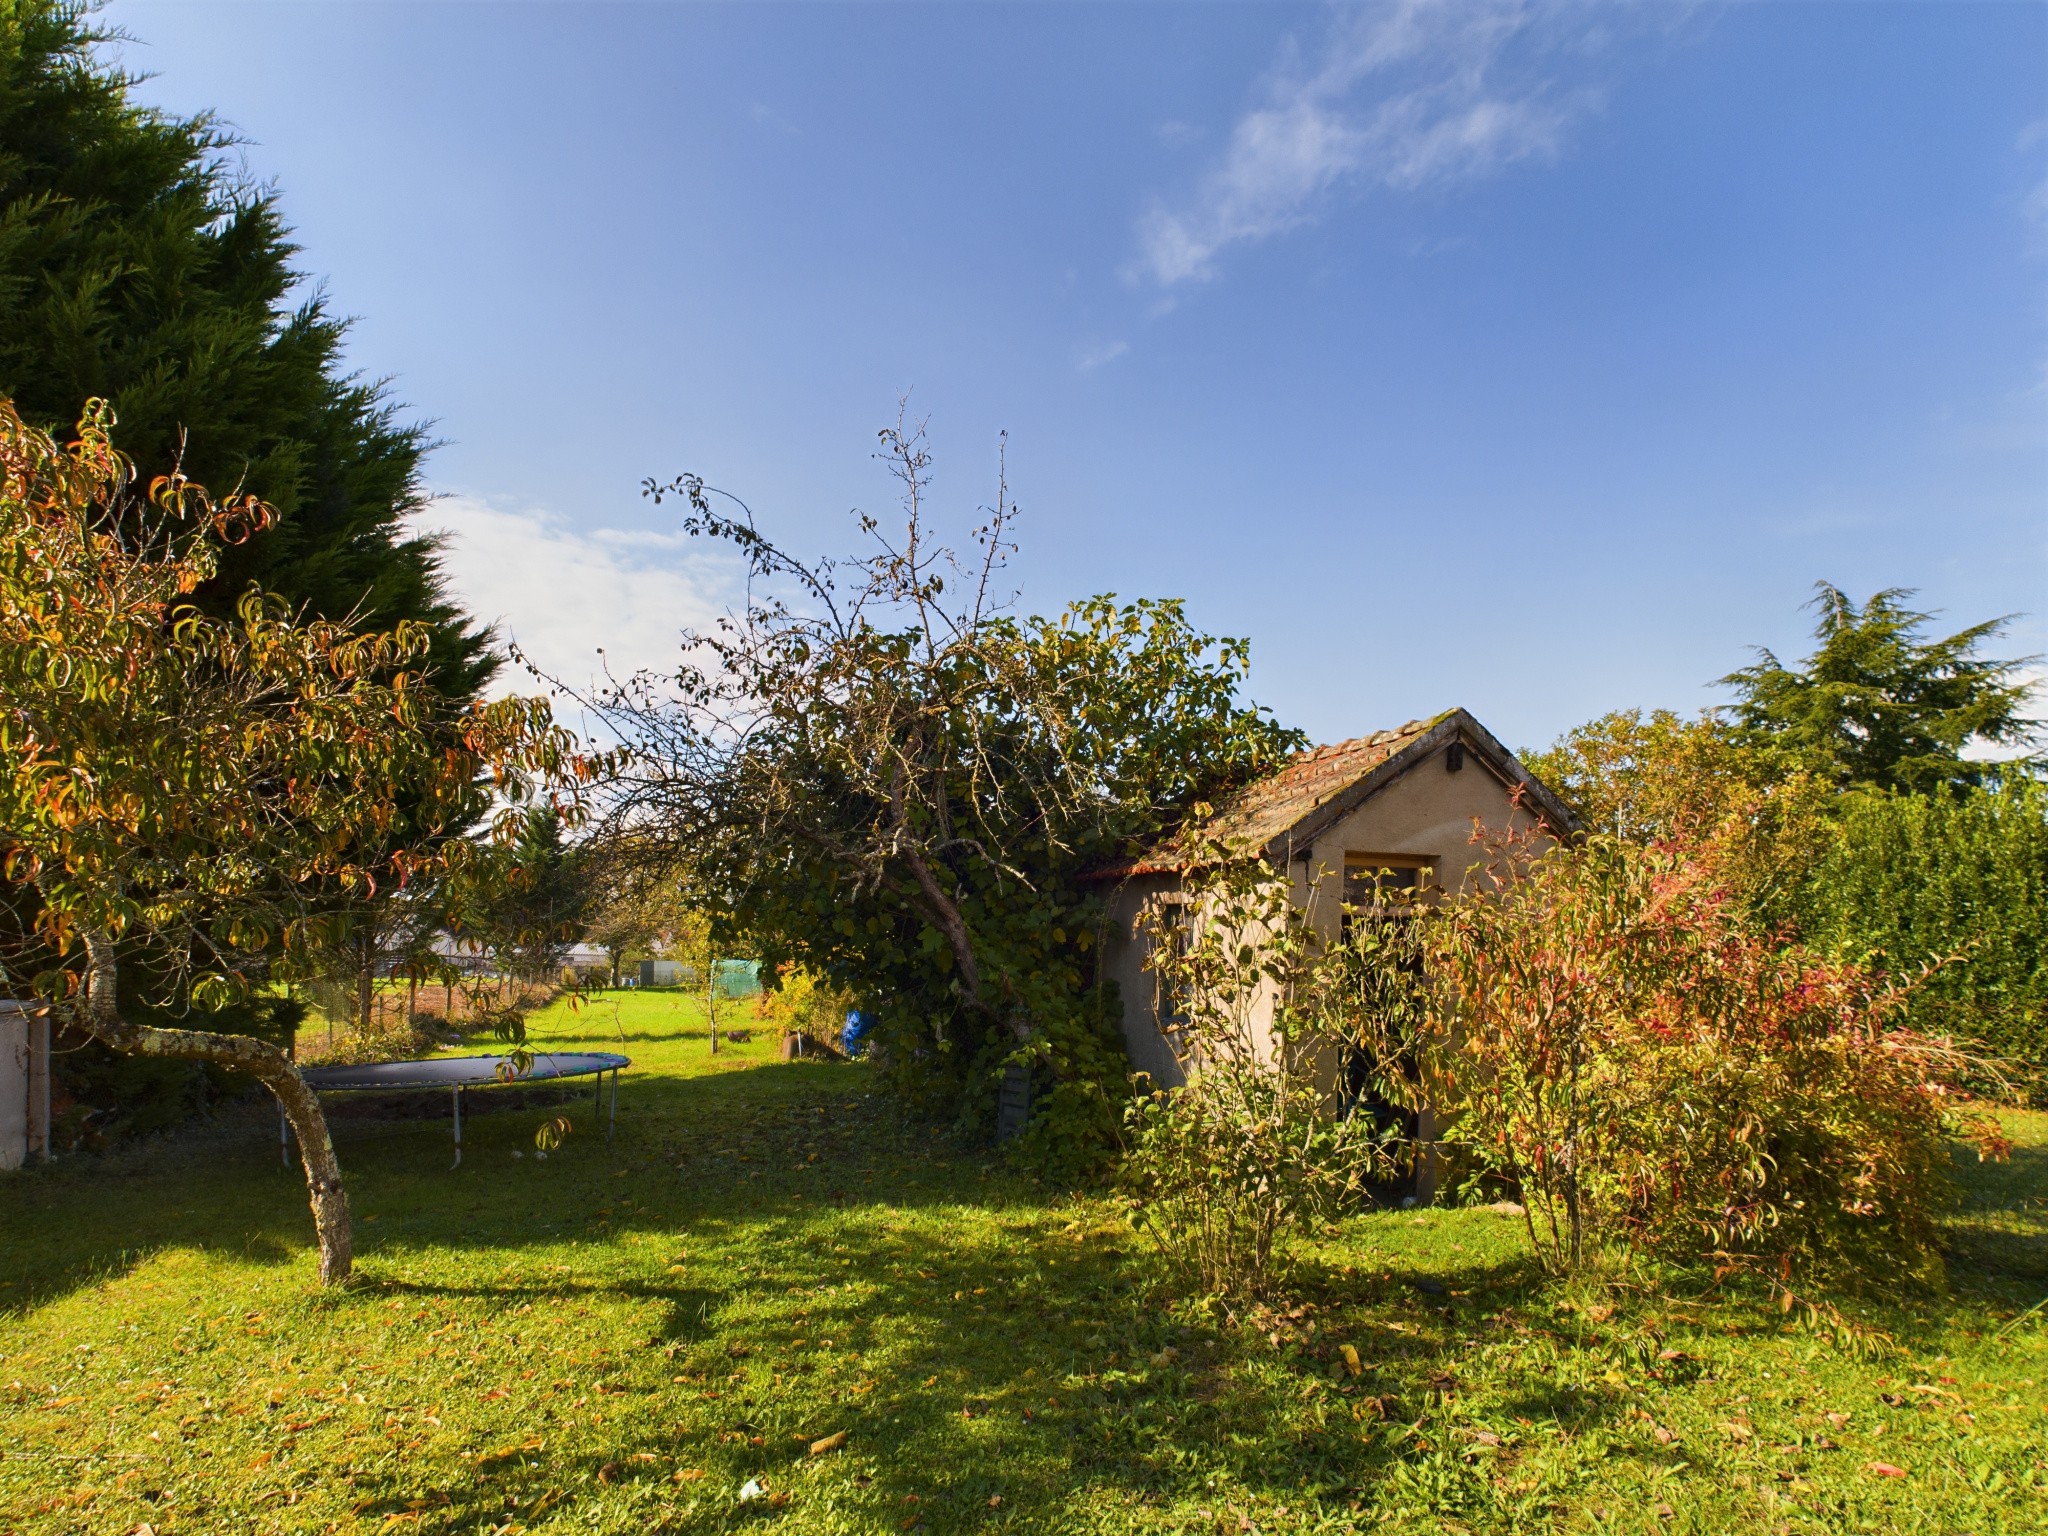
x=1654, y=1073
x=190, y=804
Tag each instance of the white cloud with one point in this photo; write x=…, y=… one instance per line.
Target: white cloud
x=1095, y=357
x=562, y=594
x=1405, y=93
x=2036, y=708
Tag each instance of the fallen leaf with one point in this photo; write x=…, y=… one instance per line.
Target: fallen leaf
x=1736, y=1430
x=508, y=1453
x=995, y=1501
x=690, y=1475
x=831, y=1442
x=1662, y=1435
x=1884, y=1469
x=1350, y=1354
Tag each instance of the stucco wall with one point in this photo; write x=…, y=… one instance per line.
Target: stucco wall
x=1124, y=949
x=13, y=1090
x=1429, y=812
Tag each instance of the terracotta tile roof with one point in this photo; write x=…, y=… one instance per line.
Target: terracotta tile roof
x=1267, y=809
x=1263, y=811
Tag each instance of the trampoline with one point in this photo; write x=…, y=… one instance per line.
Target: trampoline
x=456, y=1075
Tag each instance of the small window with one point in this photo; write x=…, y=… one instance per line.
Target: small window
x=1176, y=929
x=1374, y=881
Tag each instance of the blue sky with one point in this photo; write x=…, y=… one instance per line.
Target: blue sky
x=1534, y=357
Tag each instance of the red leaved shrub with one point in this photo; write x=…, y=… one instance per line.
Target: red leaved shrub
x=1606, y=1031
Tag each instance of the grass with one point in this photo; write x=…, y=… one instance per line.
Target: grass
x=621, y=1337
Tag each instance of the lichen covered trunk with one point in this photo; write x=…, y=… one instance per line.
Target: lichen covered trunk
x=262, y=1061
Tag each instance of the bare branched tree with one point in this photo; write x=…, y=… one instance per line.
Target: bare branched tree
x=874, y=766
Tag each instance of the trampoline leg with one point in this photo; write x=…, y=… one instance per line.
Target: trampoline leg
x=458, y=1130
x=284, y=1137
x=613, y=1123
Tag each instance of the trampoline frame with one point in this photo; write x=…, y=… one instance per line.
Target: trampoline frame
x=601, y=1062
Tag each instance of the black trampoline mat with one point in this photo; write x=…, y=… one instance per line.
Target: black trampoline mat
x=459, y=1072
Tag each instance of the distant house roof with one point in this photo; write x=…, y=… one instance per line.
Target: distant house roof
x=1286, y=810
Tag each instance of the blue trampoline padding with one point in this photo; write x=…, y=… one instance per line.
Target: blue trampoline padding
x=459, y=1072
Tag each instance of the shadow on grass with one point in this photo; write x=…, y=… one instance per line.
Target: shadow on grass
x=1996, y=1240
x=222, y=1186
x=850, y=1271
x=1012, y=1364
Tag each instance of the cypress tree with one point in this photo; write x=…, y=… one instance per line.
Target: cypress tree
x=137, y=266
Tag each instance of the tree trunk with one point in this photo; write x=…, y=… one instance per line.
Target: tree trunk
x=711, y=1001
x=1572, y=1155
x=262, y=1061
x=366, y=980
x=946, y=917
x=944, y=913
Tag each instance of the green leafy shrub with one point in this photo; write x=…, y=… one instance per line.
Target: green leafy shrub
x=1220, y=1169
x=800, y=1003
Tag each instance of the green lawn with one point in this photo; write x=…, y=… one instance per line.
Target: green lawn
x=620, y=1336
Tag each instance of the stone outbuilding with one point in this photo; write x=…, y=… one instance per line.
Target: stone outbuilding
x=1399, y=807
